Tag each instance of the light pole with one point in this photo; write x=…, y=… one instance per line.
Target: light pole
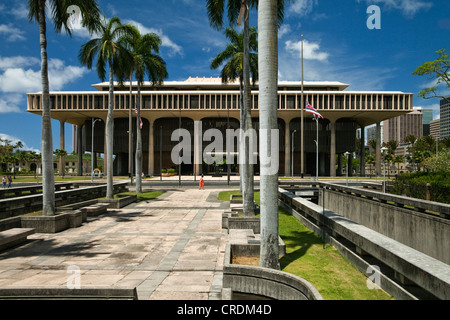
x=292, y=153
x=92, y=148
x=347, y=154
x=317, y=148
x=383, y=151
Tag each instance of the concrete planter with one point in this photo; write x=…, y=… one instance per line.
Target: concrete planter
x=53, y=224
x=123, y=201
x=232, y=220
x=264, y=282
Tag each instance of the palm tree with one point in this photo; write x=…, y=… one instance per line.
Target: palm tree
x=61, y=153
x=144, y=53
x=268, y=97
x=60, y=16
x=235, y=8
x=235, y=54
x=107, y=50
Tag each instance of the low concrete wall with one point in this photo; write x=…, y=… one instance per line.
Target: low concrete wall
x=231, y=220
x=270, y=283
x=426, y=272
x=95, y=293
x=25, y=204
x=427, y=233
x=119, y=203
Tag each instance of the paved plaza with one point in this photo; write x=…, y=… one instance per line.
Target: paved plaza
x=169, y=248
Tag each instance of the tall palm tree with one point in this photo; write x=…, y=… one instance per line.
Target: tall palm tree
x=107, y=50
x=216, y=10
x=235, y=54
x=268, y=97
x=270, y=17
x=145, y=59
x=60, y=16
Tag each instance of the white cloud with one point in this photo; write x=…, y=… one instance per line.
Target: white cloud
x=174, y=48
x=302, y=7
x=311, y=50
x=20, y=75
x=14, y=140
x=11, y=33
x=20, y=11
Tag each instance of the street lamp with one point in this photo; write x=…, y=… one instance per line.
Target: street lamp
x=92, y=148
x=383, y=151
x=347, y=154
x=292, y=153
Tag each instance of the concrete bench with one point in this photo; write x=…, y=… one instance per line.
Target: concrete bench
x=14, y=236
x=95, y=209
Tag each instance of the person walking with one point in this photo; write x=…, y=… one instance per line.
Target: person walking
x=9, y=182
x=202, y=183
x=4, y=181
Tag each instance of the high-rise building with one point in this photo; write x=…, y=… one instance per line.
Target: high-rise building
x=435, y=128
x=445, y=117
x=427, y=116
x=399, y=128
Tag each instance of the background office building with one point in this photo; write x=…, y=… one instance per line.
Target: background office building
x=445, y=118
x=400, y=127
x=206, y=101
x=435, y=128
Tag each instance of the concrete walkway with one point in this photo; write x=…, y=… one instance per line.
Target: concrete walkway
x=169, y=248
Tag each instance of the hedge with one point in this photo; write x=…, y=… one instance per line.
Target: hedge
x=415, y=185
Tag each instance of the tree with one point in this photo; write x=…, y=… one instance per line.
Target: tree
x=60, y=16
x=144, y=53
x=437, y=69
x=237, y=9
x=240, y=9
x=107, y=49
x=234, y=56
x=61, y=153
x=268, y=97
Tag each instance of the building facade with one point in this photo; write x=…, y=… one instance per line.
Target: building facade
x=445, y=118
x=400, y=127
x=199, y=104
x=435, y=128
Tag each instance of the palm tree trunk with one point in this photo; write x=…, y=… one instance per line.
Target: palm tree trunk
x=110, y=135
x=241, y=137
x=138, y=142
x=248, y=191
x=268, y=96
x=48, y=178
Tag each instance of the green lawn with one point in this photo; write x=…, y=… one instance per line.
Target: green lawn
x=147, y=195
x=322, y=265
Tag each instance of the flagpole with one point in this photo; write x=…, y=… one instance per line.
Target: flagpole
x=301, y=129
x=317, y=149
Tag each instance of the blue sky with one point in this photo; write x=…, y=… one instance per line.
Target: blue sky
x=338, y=46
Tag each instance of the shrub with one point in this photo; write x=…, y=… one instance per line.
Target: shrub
x=415, y=185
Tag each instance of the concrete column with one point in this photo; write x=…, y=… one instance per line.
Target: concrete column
x=378, y=151
x=80, y=150
x=333, y=149
x=197, y=147
x=362, y=152
x=62, y=147
x=287, y=149
x=105, y=147
x=151, y=148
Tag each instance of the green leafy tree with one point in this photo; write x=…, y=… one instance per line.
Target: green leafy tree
x=437, y=69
